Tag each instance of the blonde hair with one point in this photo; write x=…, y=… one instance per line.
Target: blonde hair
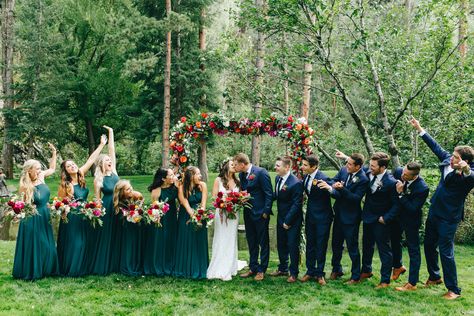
x=99, y=173
x=26, y=185
x=118, y=193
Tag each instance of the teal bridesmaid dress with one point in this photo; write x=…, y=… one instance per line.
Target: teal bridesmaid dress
x=102, y=242
x=192, y=257
x=72, y=240
x=35, y=252
x=131, y=252
x=160, y=242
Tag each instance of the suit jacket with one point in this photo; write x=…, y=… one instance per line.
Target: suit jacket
x=447, y=201
x=347, y=207
x=259, y=186
x=383, y=202
x=319, y=209
x=411, y=202
x=289, y=201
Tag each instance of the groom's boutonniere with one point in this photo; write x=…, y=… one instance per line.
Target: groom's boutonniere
x=355, y=179
x=315, y=182
x=251, y=176
x=284, y=188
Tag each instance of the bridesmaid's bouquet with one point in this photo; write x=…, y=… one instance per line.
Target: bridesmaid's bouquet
x=61, y=208
x=155, y=212
x=230, y=203
x=133, y=212
x=201, y=217
x=15, y=210
x=93, y=211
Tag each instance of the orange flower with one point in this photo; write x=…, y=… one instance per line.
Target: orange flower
x=183, y=159
x=306, y=141
x=298, y=127
x=173, y=143
x=204, y=115
x=198, y=124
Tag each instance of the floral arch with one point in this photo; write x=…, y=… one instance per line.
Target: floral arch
x=187, y=131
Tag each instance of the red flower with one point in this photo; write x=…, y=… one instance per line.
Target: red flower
x=212, y=125
x=204, y=115
x=200, y=211
x=57, y=205
x=150, y=211
x=11, y=203
x=132, y=207
x=290, y=118
x=220, y=194
x=289, y=135
x=189, y=128
x=183, y=119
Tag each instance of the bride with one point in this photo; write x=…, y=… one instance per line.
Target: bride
x=224, y=263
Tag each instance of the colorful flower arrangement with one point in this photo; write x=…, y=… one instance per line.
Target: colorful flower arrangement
x=93, y=211
x=16, y=210
x=60, y=208
x=296, y=131
x=230, y=203
x=133, y=212
x=155, y=212
x=201, y=217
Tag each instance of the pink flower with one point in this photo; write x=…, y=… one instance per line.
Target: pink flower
x=96, y=212
x=166, y=208
x=211, y=216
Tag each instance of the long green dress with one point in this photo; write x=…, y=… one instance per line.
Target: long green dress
x=35, y=252
x=192, y=257
x=102, y=241
x=131, y=255
x=72, y=240
x=160, y=242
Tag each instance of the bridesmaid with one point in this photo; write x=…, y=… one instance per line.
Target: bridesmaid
x=160, y=242
x=131, y=238
x=35, y=252
x=103, y=248
x=192, y=257
x=72, y=235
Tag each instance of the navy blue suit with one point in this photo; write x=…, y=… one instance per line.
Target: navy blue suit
x=347, y=209
x=319, y=216
x=411, y=205
x=259, y=186
x=383, y=202
x=446, y=211
x=290, y=212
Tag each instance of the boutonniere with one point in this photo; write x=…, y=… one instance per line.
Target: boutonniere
x=284, y=188
x=379, y=186
x=355, y=179
x=251, y=176
x=315, y=182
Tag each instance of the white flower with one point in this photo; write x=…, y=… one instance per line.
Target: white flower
x=226, y=123
x=355, y=179
x=302, y=120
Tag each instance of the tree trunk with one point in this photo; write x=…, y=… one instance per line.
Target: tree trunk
x=286, y=82
x=202, y=150
x=463, y=27
x=7, y=38
x=90, y=135
x=259, y=64
x=179, y=88
x=202, y=160
x=167, y=87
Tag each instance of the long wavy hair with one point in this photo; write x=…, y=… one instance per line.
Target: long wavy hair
x=66, y=179
x=99, y=173
x=119, y=190
x=26, y=185
x=158, y=179
x=224, y=174
x=188, y=184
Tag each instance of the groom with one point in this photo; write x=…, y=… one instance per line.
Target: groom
x=257, y=182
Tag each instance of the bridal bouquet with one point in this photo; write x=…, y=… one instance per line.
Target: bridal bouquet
x=155, y=212
x=61, y=208
x=93, y=211
x=230, y=203
x=133, y=212
x=201, y=217
x=16, y=210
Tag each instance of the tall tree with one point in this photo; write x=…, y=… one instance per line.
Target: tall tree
x=167, y=94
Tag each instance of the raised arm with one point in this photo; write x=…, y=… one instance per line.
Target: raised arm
x=93, y=157
x=52, y=163
x=111, y=147
x=439, y=151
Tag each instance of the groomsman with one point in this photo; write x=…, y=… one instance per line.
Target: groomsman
x=446, y=210
x=318, y=220
x=349, y=187
x=413, y=192
x=256, y=181
x=289, y=197
x=380, y=208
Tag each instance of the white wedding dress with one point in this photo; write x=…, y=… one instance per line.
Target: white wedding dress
x=224, y=263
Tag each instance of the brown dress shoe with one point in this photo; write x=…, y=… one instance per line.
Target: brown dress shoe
x=259, y=277
x=278, y=273
x=306, y=278
x=397, y=272
x=321, y=281
x=291, y=279
x=406, y=287
x=247, y=274
x=382, y=286
x=433, y=282
x=335, y=275
x=366, y=275
x=352, y=282
x=451, y=295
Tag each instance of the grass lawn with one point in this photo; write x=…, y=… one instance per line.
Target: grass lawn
x=117, y=294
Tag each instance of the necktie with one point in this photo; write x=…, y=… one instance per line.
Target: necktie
x=372, y=184
x=349, y=179
x=405, y=187
x=280, y=180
